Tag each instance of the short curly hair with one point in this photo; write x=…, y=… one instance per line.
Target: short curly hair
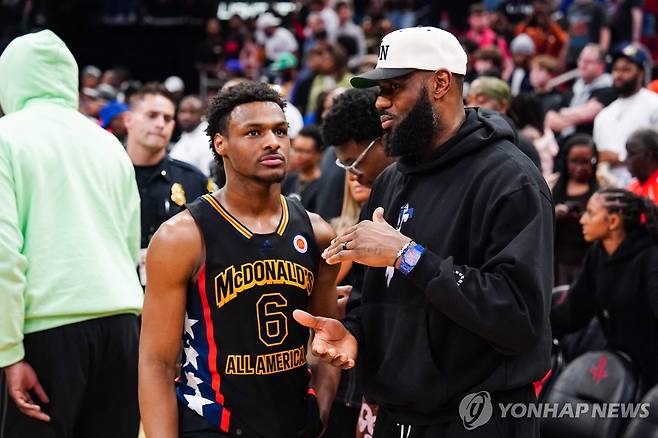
x=225, y=102
x=353, y=116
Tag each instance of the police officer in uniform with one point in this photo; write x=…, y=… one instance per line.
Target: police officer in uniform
x=165, y=184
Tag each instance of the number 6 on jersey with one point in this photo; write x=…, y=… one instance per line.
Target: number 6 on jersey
x=272, y=323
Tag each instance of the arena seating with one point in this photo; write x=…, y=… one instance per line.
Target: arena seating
x=595, y=377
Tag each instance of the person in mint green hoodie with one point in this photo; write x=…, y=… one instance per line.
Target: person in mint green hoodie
x=69, y=241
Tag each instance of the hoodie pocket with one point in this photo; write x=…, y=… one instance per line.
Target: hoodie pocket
x=399, y=358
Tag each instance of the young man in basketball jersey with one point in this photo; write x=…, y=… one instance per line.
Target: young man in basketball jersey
x=227, y=274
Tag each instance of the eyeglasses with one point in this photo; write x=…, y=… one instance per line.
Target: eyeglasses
x=353, y=168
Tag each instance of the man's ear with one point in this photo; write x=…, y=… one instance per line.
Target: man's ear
x=128, y=118
x=219, y=143
x=440, y=83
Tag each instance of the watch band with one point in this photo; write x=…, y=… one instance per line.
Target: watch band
x=402, y=250
x=410, y=258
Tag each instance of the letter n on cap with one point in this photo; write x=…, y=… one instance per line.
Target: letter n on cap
x=383, y=52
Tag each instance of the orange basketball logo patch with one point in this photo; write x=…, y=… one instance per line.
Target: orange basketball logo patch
x=300, y=244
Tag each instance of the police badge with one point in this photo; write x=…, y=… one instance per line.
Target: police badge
x=178, y=194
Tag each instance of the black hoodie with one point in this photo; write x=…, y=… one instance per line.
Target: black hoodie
x=474, y=313
x=622, y=290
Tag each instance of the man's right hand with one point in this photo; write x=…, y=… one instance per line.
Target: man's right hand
x=21, y=379
x=332, y=342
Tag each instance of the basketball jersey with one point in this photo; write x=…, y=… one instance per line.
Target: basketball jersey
x=244, y=356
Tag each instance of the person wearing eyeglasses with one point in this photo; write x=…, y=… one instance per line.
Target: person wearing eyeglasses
x=456, y=292
x=572, y=187
x=354, y=128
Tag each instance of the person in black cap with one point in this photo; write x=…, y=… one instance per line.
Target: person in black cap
x=454, y=317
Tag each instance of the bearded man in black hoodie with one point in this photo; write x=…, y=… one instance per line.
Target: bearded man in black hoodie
x=454, y=319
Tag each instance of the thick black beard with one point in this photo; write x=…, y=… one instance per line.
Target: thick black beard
x=415, y=131
x=627, y=88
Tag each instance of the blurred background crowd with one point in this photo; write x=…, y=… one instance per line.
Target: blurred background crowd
x=575, y=77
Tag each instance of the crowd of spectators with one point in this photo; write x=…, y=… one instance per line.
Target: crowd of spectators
x=572, y=77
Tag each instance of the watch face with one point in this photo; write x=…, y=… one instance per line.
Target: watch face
x=411, y=256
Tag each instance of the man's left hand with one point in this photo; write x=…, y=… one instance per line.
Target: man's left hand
x=372, y=243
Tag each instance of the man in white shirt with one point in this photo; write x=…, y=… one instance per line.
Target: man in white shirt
x=636, y=108
x=592, y=92
x=194, y=144
x=275, y=39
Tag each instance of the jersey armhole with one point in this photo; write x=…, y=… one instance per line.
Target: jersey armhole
x=202, y=259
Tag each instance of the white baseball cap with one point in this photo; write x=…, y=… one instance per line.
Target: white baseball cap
x=414, y=48
x=267, y=20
